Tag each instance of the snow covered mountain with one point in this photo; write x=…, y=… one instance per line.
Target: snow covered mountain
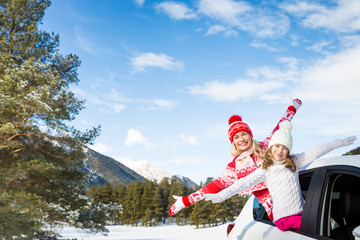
x=152, y=172
x=147, y=170
x=104, y=169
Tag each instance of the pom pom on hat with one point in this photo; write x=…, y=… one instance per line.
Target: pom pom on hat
x=237, y=125
x=234, y=118
x=283, y=135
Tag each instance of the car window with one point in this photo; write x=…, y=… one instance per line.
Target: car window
x=259, y=212
x=340, y=211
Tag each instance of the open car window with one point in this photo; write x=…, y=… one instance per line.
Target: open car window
x=340, y=210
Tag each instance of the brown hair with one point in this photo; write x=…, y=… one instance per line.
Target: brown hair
x=254, y=149
x=268, y=160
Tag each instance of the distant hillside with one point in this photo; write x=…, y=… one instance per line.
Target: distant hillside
x=104, y=168
x=187, y=181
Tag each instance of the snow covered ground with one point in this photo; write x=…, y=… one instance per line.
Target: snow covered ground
x=163, y=232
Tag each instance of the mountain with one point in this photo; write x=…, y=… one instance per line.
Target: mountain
x=152, y=172
x=104, y=169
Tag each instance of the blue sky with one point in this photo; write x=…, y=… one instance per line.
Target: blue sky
x=162, y=78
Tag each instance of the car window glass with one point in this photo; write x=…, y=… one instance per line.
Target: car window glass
x=340, y=212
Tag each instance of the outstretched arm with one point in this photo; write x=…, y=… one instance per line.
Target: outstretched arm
x=320, y=150
x=289, y=114
x=239, y=186
x=227, y=178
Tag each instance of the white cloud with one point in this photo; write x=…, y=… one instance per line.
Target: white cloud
x=146, y=60
x=336, y=78
x=262, y=45
x=215, y=29
x=237, y=90
x=117, y=108
x=159, y=104
x=243, y=16
x=139, y=3
x=226, y=10
x=135, y=137
x=175, y=10
x=126, y=161
x=319, y=46
x=101, y=148
x=188, y=140
x=350, y=40
x=344, y=17
x=89, y=45
x=188, y=160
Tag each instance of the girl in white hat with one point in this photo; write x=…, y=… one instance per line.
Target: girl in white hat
x=279, y=171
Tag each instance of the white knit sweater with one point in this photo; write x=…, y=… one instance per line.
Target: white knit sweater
x=283, y=184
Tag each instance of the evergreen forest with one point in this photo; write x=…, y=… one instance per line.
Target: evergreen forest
x=147, y=204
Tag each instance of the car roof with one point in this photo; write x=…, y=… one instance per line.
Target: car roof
x=347, y=160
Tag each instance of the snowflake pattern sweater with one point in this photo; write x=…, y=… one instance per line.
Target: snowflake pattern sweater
x=283, y=184
x=240, y=167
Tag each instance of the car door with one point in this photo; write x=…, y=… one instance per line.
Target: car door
x=335, y=205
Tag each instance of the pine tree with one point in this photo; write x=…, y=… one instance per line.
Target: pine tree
x=164, y=188
x=157, y=205
x=41, y=156
x=106, y=193
x=146, y=202
x=132, y=205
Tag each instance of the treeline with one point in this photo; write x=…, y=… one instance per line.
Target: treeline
x=147, y=203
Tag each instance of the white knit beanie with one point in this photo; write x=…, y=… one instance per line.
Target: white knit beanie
x=283, y=135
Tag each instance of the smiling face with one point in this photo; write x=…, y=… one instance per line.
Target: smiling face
x=279, y=152
x=242, y=141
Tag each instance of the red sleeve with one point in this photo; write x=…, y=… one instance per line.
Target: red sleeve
x=289, y=114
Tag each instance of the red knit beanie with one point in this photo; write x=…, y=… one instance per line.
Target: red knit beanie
x=236, y=125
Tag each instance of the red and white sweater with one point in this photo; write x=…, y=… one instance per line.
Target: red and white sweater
x=240, y=167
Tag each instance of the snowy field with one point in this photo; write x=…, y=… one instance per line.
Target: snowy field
x=164, y=232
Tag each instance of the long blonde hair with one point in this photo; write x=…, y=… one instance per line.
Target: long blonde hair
x=255, y=149
x=268, y=160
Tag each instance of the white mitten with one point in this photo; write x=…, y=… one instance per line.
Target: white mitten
x=349, y=140
x=296, y=103
x=177, y=206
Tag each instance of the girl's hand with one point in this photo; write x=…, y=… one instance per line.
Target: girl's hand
x=177, y=206
x=296, y=103
x=349, y=140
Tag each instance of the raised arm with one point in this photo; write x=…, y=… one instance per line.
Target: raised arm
x=239, y=186
x=322, y=149
x=289, y=114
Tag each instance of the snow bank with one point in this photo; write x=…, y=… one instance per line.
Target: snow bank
x=163, y=232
